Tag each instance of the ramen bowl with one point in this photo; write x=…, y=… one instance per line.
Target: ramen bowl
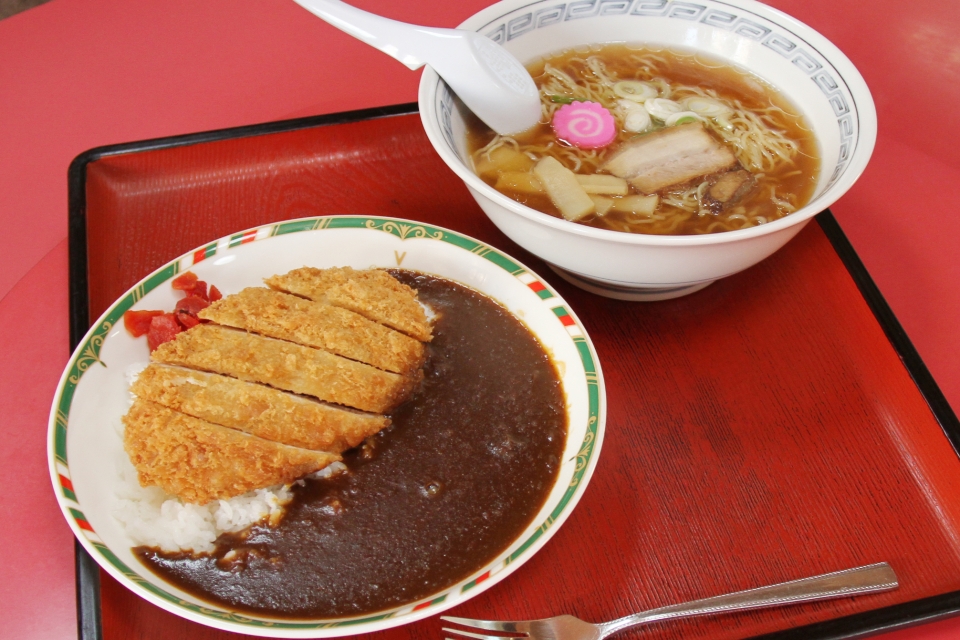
x=803, y=66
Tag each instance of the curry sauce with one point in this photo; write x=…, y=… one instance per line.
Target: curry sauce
x=467, y=462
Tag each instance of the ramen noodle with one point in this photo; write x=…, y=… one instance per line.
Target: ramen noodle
x=696, y=146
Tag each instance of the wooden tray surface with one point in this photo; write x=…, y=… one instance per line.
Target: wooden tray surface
x=761, y=430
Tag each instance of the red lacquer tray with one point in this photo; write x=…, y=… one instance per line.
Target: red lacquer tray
x=776, y=425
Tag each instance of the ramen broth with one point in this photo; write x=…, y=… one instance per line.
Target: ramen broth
x=776, y=155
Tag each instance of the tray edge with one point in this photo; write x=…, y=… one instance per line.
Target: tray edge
x=854, y=626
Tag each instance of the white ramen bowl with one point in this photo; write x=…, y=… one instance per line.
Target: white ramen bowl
x=85, y=447
x=803, y=65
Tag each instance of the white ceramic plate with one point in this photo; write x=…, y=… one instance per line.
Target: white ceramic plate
x=84, y=431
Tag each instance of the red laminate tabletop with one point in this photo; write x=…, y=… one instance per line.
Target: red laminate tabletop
x=76, y=75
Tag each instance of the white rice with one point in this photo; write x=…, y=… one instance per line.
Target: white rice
x=155, y=518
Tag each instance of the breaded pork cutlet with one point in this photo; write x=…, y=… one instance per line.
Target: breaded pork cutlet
x=372, y=293
x=259, y=410
x=200, y=461
x=314, y=324
x=287, y=366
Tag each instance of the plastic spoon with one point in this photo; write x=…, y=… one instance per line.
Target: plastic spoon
x=489, y=80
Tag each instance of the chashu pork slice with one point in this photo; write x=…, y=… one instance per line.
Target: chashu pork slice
x=199, y=461
x=728, y=189
x=668, y=157
x=373, y=293
x=286, y=366
x=314, y=324
x=257, y=409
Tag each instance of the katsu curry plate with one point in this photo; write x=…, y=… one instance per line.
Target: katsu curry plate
x=326, y=426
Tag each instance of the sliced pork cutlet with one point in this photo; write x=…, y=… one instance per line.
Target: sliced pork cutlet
x=671, y=156
x=199, y=461
x=314, y=324
x=256, y=409
x=372, y=293
x=287, y=366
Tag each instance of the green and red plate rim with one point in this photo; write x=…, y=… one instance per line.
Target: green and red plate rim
x=87, y=354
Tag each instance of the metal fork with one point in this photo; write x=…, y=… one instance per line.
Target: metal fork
x=850, y=582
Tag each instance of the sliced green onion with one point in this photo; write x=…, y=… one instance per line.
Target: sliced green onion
x=707, y=107
x=662, y=108
x=635, y=91
x=561, y=99
x=685, y=120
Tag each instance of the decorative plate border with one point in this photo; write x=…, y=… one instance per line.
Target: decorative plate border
x=792, y=46
x=87, y=354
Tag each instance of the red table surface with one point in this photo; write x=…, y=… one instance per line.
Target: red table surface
x=79, y=74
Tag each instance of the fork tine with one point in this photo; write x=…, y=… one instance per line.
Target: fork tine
x=491, y=625
x=479, y=636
